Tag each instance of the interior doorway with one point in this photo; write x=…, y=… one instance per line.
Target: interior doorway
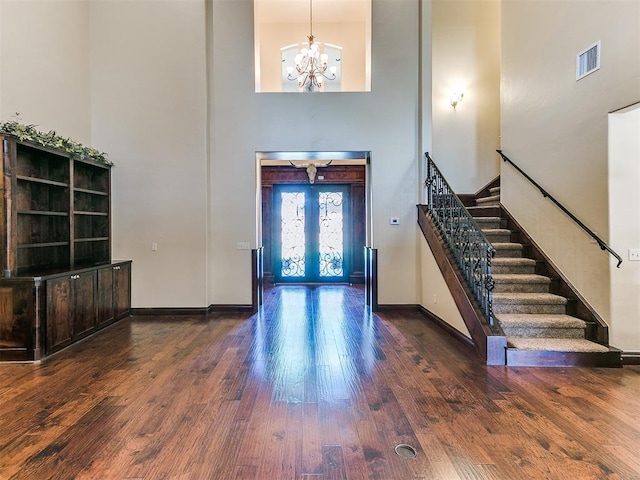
x=313, y=228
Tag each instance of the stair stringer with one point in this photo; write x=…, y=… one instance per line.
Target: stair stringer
x=491, y=347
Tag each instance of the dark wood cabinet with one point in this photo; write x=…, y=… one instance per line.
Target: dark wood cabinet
x=41, y=315
x=70, y=309
x=58, y=284
x=59, y=314
x=114, y=293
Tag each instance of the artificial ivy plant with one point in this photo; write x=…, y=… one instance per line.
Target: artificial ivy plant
x=51, y=139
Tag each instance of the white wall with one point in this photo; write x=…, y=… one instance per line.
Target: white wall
x=555, y=128
x=466, y=58
x=383, y=121
x=44, y=65
x=624, y=231
x=148, y=88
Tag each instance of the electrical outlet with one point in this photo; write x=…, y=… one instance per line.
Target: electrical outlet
x=154, y=247
x=634, y=254
x=435, y=298
x=243, y=246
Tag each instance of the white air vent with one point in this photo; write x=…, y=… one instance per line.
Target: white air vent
x=588, y=61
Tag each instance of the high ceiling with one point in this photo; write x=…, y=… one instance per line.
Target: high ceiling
x=296, y=11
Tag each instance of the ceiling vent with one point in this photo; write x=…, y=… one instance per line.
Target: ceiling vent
x=588, y=61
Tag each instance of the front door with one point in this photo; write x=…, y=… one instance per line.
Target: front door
x=311, y=235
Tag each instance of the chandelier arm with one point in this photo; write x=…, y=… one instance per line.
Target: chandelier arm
x=311, y=20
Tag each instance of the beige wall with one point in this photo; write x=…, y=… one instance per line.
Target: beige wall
x=435, y=295
x=624, y=230
x=44, y=65
x=465, y=50
x=148, y=70
x=383, y=121
x=466, y=57
x=556, y=128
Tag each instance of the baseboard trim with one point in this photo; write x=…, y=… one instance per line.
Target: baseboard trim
x=221, y=308
x=168, y=311
x=456, y=334
x=229, y=308
x=631, y=358
x=390, y=307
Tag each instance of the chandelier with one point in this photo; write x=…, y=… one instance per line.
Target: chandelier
x=311, y=65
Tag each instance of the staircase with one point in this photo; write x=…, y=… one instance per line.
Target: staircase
x=539, y=330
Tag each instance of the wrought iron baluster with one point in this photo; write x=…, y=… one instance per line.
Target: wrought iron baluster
x=469, y=247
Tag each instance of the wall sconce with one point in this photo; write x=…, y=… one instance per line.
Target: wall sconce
x=455, y=99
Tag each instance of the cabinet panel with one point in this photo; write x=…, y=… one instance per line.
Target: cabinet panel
x=84, y=304
x=105, y=296
x=59, y=314
x=19, y=327
x=122, y=290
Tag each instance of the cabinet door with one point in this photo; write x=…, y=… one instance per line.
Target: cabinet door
x=105, y=296
x=59, y=316
x=84, y=303
x=122, y=290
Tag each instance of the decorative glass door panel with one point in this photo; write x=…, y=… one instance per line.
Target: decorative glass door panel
x=331, y=234
x=311, y=228
x=293, y=236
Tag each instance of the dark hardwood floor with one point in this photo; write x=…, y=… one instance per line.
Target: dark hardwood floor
x=312, y=388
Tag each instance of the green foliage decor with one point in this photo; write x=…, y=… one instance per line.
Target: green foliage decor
x=51, y=139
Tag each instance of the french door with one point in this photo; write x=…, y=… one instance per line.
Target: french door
x=311, y=233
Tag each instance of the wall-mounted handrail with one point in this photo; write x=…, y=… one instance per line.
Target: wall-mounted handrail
x=601, y=243
x=468, y=245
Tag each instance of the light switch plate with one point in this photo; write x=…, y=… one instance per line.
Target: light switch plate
x=634, y=254
x=243, y=246
x=394, y=221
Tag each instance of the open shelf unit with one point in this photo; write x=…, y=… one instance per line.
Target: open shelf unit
x=58, y=281
x=56, y=209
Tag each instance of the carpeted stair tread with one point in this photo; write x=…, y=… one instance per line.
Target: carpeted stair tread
x=488, y=200
x=513, y=261
x=488, y=222
x=528, y=298
x=496, y=231
x=514, y=265
x=484, y=211
x=494, y=190
x=507, y=245
x=556, y=345
x=507, y=249
x=519, y=278
x=539, y=320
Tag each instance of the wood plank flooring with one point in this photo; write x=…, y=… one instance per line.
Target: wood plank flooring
x=312, y=388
